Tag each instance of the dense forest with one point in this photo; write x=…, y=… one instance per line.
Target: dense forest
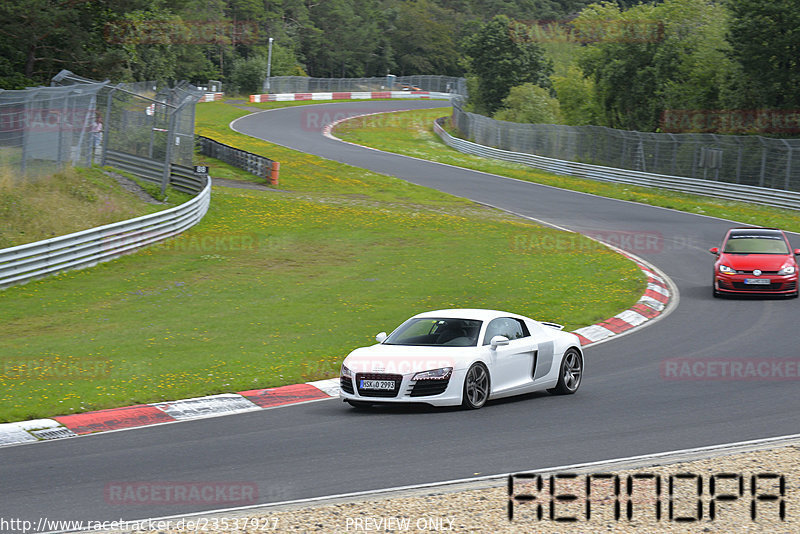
x=622, y=64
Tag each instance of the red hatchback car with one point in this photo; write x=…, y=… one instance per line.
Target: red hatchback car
x=755, y=261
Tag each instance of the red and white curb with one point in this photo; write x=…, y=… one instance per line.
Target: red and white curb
x=348, y=95
x=211, y=97
x=66, y=426
x=653, y=303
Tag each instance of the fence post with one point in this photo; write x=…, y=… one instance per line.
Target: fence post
x=168, y=156
x=763, y=161
x=787, y=179
x=107, y=127
x=738, y=161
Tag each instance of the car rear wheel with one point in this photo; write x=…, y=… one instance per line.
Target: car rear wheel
x=571, y=373
x=476, y=387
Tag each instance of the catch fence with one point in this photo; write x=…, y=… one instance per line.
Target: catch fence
x=303, y=84
x=739, y=159
x=79, y=121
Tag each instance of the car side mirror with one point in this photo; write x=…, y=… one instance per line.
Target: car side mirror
x=714, y=250
x=797, y=252
x=498, y=341
x=380, y=338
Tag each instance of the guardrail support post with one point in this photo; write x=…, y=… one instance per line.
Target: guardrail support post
x=274, y=172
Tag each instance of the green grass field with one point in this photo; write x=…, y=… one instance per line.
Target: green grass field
x=74, y=199
x=276, y=287
x=411, y=133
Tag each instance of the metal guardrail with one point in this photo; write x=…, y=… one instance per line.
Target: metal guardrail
x=23, y=263
x=185, y=179
x=253, y=163
x=181, y=177
x=147, y=169
x=759, y=195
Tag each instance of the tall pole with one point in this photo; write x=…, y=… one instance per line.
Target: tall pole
x=269, y=63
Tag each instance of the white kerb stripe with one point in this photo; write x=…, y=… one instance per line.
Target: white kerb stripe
x=594, y=332
x=329, y=386
x=631, y=317
x=653, y=303
x=658, y=289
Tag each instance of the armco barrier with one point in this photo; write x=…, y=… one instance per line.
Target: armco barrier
x=86, y=248
x=255, y=164
x=181, y=177
x=747, y=193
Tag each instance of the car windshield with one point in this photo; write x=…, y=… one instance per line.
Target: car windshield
x=756, y=244
x=437, y=331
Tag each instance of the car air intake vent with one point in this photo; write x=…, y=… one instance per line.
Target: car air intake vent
x=425, y=388
x=346, y=384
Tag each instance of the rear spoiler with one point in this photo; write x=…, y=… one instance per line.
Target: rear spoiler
x=553, y=325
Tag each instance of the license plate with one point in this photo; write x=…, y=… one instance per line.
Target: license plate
x=757, y=281
x=377, y=384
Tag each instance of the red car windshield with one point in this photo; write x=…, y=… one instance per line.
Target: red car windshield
x=755, y=244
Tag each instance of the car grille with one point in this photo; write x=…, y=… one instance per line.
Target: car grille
x=426, y=388
x=346, y=384
x=762, y=272
x=385, y=393
x=775, y=286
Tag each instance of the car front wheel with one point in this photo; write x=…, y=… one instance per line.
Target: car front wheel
x=571, y=373
x=476, y=387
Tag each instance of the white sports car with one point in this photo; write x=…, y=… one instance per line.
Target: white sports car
x=466, y=357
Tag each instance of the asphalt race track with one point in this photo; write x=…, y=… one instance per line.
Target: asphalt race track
x=624, y=408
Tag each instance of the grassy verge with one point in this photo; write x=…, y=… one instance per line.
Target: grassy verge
x=276, y=287
x=411, y=133
x=69, y=201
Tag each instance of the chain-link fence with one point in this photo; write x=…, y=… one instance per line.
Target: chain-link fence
x=43, y=128
x=740, y=159
x=144, y=119
x=302, y=84
x=78, y=121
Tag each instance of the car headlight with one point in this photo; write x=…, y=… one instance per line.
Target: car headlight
x=346, y=372
x=434, y=374
x=787, y=269
x=727, y=270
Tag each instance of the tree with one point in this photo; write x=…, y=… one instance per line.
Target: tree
x=765, y=44
x=577, y=98
x=501, y=57
x=623, y=70
x=344, y=38
x=529, y=103
x=422, y=37
x=652, y=58
x=248, y=75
